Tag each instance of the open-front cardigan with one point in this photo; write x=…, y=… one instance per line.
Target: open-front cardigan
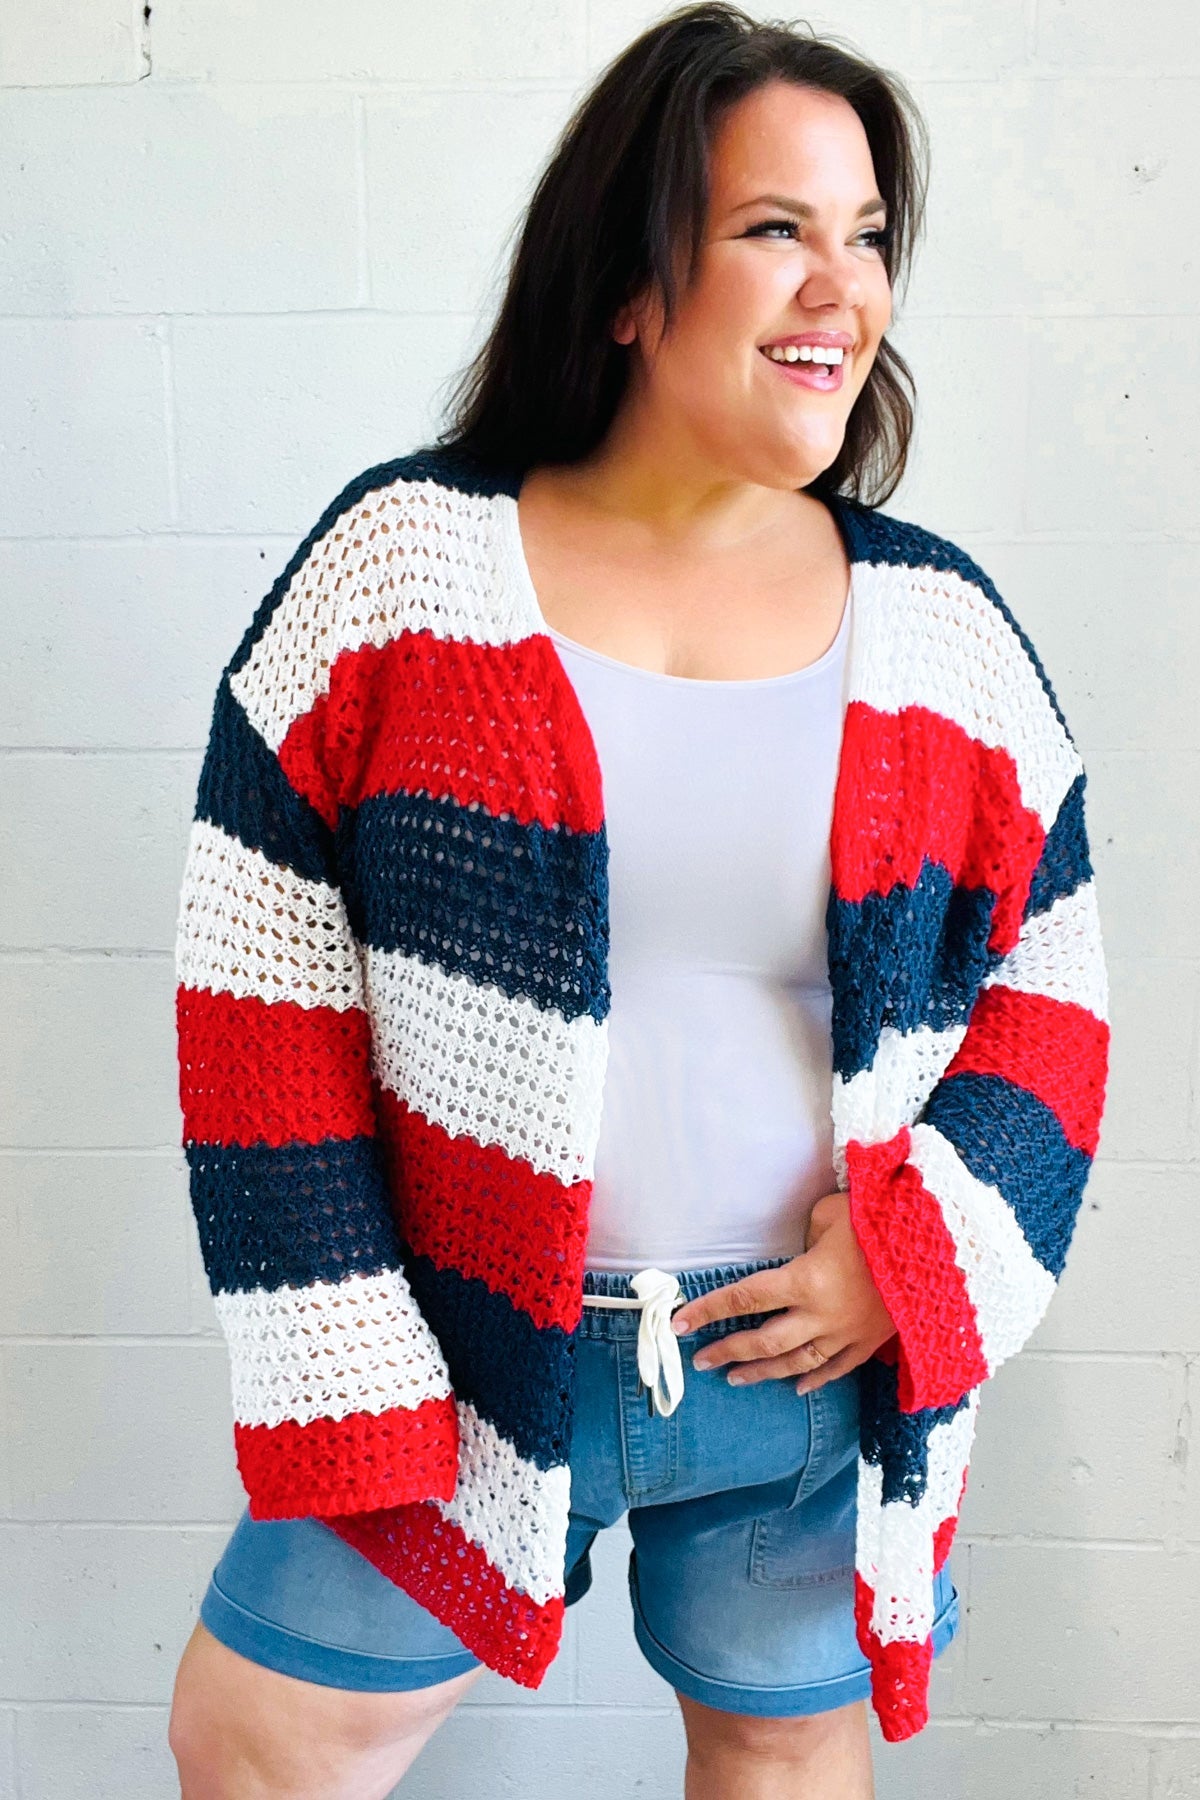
x=392, y=1002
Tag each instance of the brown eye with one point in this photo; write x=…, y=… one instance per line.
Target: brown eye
x=788, y=225
x=877, y=239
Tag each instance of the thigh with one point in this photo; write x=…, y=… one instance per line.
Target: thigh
x=744, y=1599
x=293, y=1596
x=239, y=1728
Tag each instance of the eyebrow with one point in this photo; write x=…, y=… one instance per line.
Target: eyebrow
x=804, y=211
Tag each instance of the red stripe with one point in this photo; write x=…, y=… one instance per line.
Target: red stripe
x=912, y=787
x=445, y=1571
x=1053, y=1048
x=475, y=1209
x=910, y=1252
x=358, y=1463
x=899, y=1672
x=426, y=714
x=250, y=1073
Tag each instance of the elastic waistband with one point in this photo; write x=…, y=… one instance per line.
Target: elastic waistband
x=620, y=1324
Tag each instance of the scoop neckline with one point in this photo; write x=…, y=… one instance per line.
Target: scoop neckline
x=515, y=548
x=788, y=676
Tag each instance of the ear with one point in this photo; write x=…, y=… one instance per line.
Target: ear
x=639, y=320
x=624, y=326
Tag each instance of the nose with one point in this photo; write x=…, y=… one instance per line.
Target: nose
x=833, y=279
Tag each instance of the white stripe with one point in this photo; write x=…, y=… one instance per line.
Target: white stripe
x=480, y=1065
x=872, y=1105
x=251, y=928
x=412, y=556
x=1009, y=1288
x=866, y=1537
x=329, y=1350
x=894, y=1545
x=515, y=1512
x=1059, y=954
x=931, y=638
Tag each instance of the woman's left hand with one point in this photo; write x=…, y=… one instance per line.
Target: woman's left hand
x=833, y=1308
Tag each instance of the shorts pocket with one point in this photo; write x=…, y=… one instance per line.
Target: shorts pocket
x=809, y=1542
x=803, y=1480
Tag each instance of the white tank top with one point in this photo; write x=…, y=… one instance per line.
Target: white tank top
x=715, y=1130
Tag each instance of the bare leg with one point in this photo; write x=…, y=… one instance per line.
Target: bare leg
x=239, y=1731
x=821, y=1756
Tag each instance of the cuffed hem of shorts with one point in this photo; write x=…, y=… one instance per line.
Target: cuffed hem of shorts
x=308, y=1659
x=772, y=1702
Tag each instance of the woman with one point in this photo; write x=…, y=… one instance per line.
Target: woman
x=625, y=605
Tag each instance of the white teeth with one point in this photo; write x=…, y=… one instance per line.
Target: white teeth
x=792, y=353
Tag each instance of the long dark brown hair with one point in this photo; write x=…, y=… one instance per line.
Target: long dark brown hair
x=625, y=189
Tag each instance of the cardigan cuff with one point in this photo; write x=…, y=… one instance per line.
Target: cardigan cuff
x=356, y=1464
x=911, y=1256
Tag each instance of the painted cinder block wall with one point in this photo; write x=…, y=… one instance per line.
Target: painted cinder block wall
x=244, y=249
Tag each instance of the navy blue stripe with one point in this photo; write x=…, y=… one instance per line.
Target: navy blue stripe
x=926, y=949
x=519, y=1375
x=460, y=469
x=450, y=468
x=272, y=1218
x=895, y=1442
x=1065, y=862
x=244, y=790
x=1013, y=1141
x=516, y=905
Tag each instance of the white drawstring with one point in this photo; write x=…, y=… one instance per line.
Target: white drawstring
x=657, y=1346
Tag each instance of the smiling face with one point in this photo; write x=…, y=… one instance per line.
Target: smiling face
x=791, y=250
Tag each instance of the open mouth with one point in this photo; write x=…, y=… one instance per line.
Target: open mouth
x=809, y=365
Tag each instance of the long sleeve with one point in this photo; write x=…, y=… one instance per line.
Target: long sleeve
x=965, y=1216
x=341, y=1397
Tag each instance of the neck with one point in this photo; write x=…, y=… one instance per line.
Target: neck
x=661, y=479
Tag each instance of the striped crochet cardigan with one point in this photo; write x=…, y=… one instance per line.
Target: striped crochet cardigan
x=392, y=1004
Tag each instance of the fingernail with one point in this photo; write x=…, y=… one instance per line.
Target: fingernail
x=679, y=1325
x=736, y=1378
x=701, y=1361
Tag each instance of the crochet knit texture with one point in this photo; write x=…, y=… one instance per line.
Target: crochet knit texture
x=392, y=1024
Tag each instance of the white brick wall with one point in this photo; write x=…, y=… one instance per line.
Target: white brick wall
x=245, y=248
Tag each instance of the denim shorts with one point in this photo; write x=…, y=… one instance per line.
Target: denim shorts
x=741, y=1506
